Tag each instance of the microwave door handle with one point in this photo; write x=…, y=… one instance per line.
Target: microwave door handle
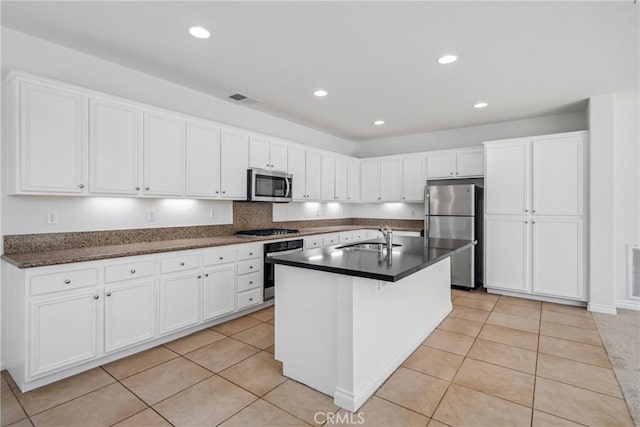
x=286, y=181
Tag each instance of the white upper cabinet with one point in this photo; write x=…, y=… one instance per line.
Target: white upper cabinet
x=413, y=180
x=234, y=164
x=49, y=127
x=328, y=177
x=557, y=176
x=381, y=180
x=115, y=147
x=203, y=160
x=460, y=163
x=313, y=175
x=267, y=154
x=298, y=168
x=341, y=179
x=353, y=180
x=441, y=164
x=507, y=177
x=470, y=162
x=163, y=154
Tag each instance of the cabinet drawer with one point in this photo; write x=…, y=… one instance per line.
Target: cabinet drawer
x=127, y=271
x=249, y=281
x=330, y=239
x=64, y=280
x=312, y=242
x=180, y=263
x=250, y=251
x=220, y=255
x=345, y=237
x=245, y=299
x=250, y=266
x=359, y=235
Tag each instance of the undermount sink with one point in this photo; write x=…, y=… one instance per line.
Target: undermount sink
x=376, y=247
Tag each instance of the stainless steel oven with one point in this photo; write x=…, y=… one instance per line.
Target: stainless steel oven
x=277, y=248
x=268, y=186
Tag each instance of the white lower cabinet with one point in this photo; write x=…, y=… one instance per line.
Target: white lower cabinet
x=179, y=301
x=218, y=291
x=63, y=331
x=507, y=242
x=129, y=314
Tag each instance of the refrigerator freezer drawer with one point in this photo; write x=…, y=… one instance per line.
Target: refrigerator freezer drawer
x=451, y=227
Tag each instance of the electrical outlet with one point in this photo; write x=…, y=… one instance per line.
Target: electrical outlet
x=151, y=215
x=413, y=212
x=212, y=214
x=52, y=217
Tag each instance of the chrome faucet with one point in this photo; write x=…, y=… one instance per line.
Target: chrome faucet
x=388, y=236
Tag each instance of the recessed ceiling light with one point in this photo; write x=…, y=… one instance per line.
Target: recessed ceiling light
x=320, y=92
x=447, y=59
x=480, y=105
x=199, y=32
x=378, y=122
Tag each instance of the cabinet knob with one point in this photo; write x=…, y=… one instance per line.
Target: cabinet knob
x=533, y=211
x=526, y=222
x=457, y=173
x=526, y=210
x=533, y=222
x=108, y=294
x=221, y=258
x=251, y=267
x=379, y=198
x=250, y=253
x=250, y=299
x=450, y=173
x=133, y=271
x=182, y=264
x=348, y=198
x=251, y=282
x=146, y=188
x=138, y=188
x=81, y=185
x=96, y=297
x=217, y=192
x=206, y=275
x=199, y=276
x=67, y=281
x=404, y=198
x=224, y=192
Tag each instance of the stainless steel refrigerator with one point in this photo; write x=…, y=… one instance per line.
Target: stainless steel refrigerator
x=454, y=210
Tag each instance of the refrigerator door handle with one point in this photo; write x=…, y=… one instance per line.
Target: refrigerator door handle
x=427, y=200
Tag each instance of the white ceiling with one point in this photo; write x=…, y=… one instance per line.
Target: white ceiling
x=376, y=59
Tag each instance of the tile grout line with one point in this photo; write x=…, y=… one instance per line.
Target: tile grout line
x=535, y=371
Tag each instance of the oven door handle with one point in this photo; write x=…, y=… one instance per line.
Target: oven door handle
x=286, y=181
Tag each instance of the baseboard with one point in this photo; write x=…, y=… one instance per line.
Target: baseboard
x=628, y=305
x=353, y=401
x=536, y=297
x=604, y=309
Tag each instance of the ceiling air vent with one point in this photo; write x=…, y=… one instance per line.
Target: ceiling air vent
x=242, y=99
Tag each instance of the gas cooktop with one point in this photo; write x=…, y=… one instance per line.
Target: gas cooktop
x=266, y=232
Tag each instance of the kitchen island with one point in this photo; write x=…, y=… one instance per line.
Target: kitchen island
x=347, y=317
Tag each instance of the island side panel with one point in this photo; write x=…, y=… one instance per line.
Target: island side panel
x=381, y=323
x=306, y=326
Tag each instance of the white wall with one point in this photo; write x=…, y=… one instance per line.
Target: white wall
x=626, y=190
x=31, y=54
x=472, y=135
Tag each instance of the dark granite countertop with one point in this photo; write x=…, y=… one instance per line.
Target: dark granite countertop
x=65, y=256
x=413, y=255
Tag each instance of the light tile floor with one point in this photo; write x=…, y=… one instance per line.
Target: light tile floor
x=494, y=361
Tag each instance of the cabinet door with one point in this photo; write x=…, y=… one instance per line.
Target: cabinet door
x=115, y=147
x=129, y=314
x=370, y=180
x=314, y=175
x=328, y=178
x=558, y=257
x=390, y=180
x=507, y=240
x=203, y=160
x=52, y=143
x=63, y=331
x=278, y=156
x=219, y=291
x=163, y=154
x=341, y=179
x=259, y=152
x=234, y=164
x=297, y=168
x=506, y=177
x=413, y=181
x=557, y=176
x=441, y=164
x=353, y=180
x=470, y=162
x=179, y=302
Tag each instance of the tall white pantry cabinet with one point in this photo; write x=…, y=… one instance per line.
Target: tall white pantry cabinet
x=535, y=217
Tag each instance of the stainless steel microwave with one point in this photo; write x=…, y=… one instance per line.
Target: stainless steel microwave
x=268, y=186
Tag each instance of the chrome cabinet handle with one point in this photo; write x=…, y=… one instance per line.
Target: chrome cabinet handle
x=81, y=185
x=108, y=294
x=96, y=297
x=67, y=281
x=133, y=271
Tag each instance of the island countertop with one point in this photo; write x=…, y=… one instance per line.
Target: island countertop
x=413, y=254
